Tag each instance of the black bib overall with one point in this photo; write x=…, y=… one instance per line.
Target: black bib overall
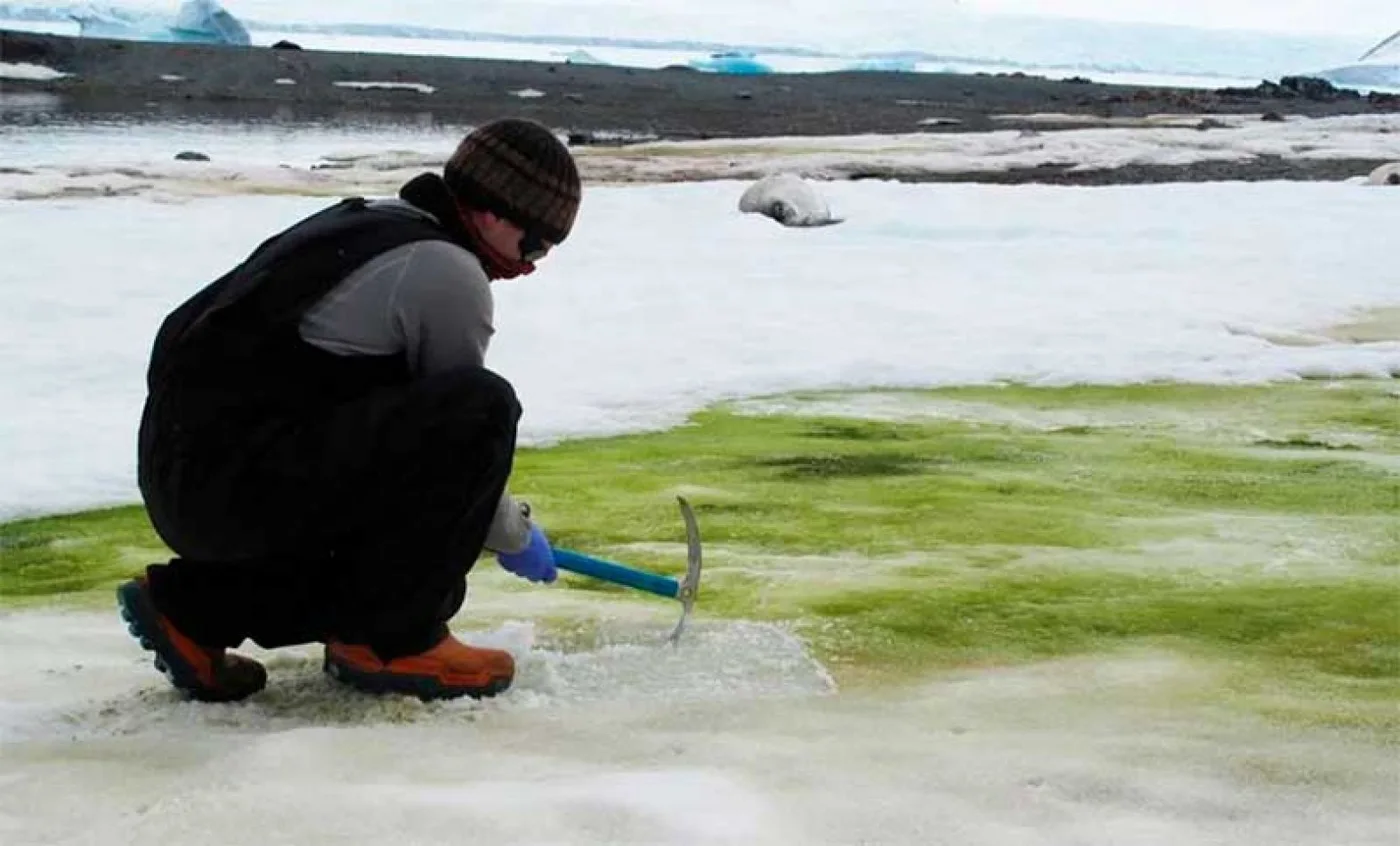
x=310, y=495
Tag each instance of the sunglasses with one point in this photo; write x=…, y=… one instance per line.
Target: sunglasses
x=533, y=246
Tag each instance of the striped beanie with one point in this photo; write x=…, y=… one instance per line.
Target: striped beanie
x=518, y=170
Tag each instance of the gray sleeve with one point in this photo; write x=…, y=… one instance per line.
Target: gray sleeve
x=442, y=309
x=429, y=300
x=510, y=528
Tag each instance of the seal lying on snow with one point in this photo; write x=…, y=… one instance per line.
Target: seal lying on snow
x=788, y=199
x=1386, y=174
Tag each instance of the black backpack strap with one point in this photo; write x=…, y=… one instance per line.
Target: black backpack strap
x=288, y=273
x=292, y=271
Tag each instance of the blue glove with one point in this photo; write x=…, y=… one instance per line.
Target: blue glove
x=535, y=562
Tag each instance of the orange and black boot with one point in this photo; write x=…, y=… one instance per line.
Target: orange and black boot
x=200, y=672
x=447, y=671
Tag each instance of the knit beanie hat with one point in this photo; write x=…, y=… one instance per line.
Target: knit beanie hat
x=518, y=170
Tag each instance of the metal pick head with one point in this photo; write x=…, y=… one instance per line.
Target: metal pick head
x=690, y=585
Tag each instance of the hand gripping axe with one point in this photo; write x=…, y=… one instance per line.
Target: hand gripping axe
x=684, y=590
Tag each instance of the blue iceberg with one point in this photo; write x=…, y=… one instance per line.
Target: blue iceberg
x=1375, y=77
x=581, y=57
x=1377, y=69
x=734, y=61
x=196, y=22
x=885, y=65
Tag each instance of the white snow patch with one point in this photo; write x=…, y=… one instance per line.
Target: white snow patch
x=1229, y=426
x=282, y=80
x=171, y=77
x=421, y=87
x=925, y=285
x=29, y=72
x=1093, y=750
x=912, y=407
x=528, y=93
x=1170, y=121
x=256, y=159
x=634, y=667
x=25, y=101
x=1176, y=143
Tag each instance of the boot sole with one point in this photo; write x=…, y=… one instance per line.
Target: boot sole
x=425, y=688
x=143, y=622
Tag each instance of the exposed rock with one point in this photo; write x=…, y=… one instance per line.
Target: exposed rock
x=590, y=138
x=286, y=45
x=190, y=156
x=1315, y=88
x=1295, y=87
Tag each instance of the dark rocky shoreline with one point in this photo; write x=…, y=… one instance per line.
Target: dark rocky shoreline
x=1260, y=169
x=109, y=76
x=144, y=81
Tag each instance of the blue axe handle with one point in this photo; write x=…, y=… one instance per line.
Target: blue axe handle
x=620, y=574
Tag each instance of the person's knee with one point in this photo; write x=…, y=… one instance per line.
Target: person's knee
x=476, y=393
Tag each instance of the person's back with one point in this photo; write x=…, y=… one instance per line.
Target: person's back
x=323, y=447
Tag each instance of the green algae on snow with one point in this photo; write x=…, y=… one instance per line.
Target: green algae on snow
x=901, y=530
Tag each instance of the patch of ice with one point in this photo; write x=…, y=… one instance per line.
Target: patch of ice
x=1368, y=326
x=29, y=72
x=15, y=101
x=899, y=407
x=118, y=694
x=1176, y=121
x=282, y=80
x=927, y=286
x=1167, y=142
x=1233, y=427
x=255, y=157
x=578, y=57
x=1136, y=749
x=420, y=87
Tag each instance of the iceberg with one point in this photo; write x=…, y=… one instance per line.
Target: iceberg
x=885, y=65
x=1365, y=76
x=206, y=20
x=1377, y=68
x=731, y=61
x=580, y=57
x=196, y=22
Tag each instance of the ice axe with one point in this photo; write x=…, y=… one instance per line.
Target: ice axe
x=621, y=574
